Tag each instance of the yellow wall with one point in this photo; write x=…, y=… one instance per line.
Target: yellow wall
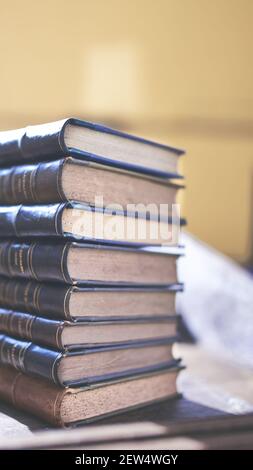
x=177, y=70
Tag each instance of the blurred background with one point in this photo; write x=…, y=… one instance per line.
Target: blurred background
x=179, y=71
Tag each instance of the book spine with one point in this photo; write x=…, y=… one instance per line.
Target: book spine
x=33, y=143
x=37, y=261
x=36, y=396
x=31, y=184
x=31, y=221
x=31, y=328
x=29, y=358
x=46, y=300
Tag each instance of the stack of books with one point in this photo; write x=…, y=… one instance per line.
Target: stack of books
x=88, y=270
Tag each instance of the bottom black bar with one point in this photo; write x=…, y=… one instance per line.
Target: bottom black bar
x=109, y=459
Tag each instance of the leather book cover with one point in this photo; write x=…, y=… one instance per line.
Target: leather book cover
x=41, y=260
x=46, y=142
x=45, y=220
x=39, y=361
x=31, y=221
x=52, y=300
x=43, y=182
x=49, y=300
x=36, y=396
x=43, y=399
x=32, y=183
x=48, y=332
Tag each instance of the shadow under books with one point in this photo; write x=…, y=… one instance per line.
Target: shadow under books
x=166, y=412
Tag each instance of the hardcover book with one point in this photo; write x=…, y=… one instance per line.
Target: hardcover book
x=71, y=179
x=73, y=263
x=88, y=141
x=82, y=222
x=64, y=335
x=84, y=366
x=91, y=302
x=72, y=406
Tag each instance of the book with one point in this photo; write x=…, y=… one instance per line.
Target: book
x=71, y=179
x=83, y=222
x=72, y=406
x=91, y=302
x=88, y=270
x=84, y=365
x=73, y=263
x=75, y=335
x=88, y=141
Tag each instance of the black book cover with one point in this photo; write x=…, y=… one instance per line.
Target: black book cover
x=27, y=221
x=43, y=183
x=48, y=332
x=41, y=260
x=46, y=141
x=41, y=362
x=52, y=300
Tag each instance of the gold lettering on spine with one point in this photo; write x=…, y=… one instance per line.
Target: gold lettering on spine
x=33, y=176
x=17, y=324
x=21, y=356
x=16, y=355
x=26, y=293
x=30, y=261
x=20, y=259
x=29, y=325
x=36, y=298
x=24, y=185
